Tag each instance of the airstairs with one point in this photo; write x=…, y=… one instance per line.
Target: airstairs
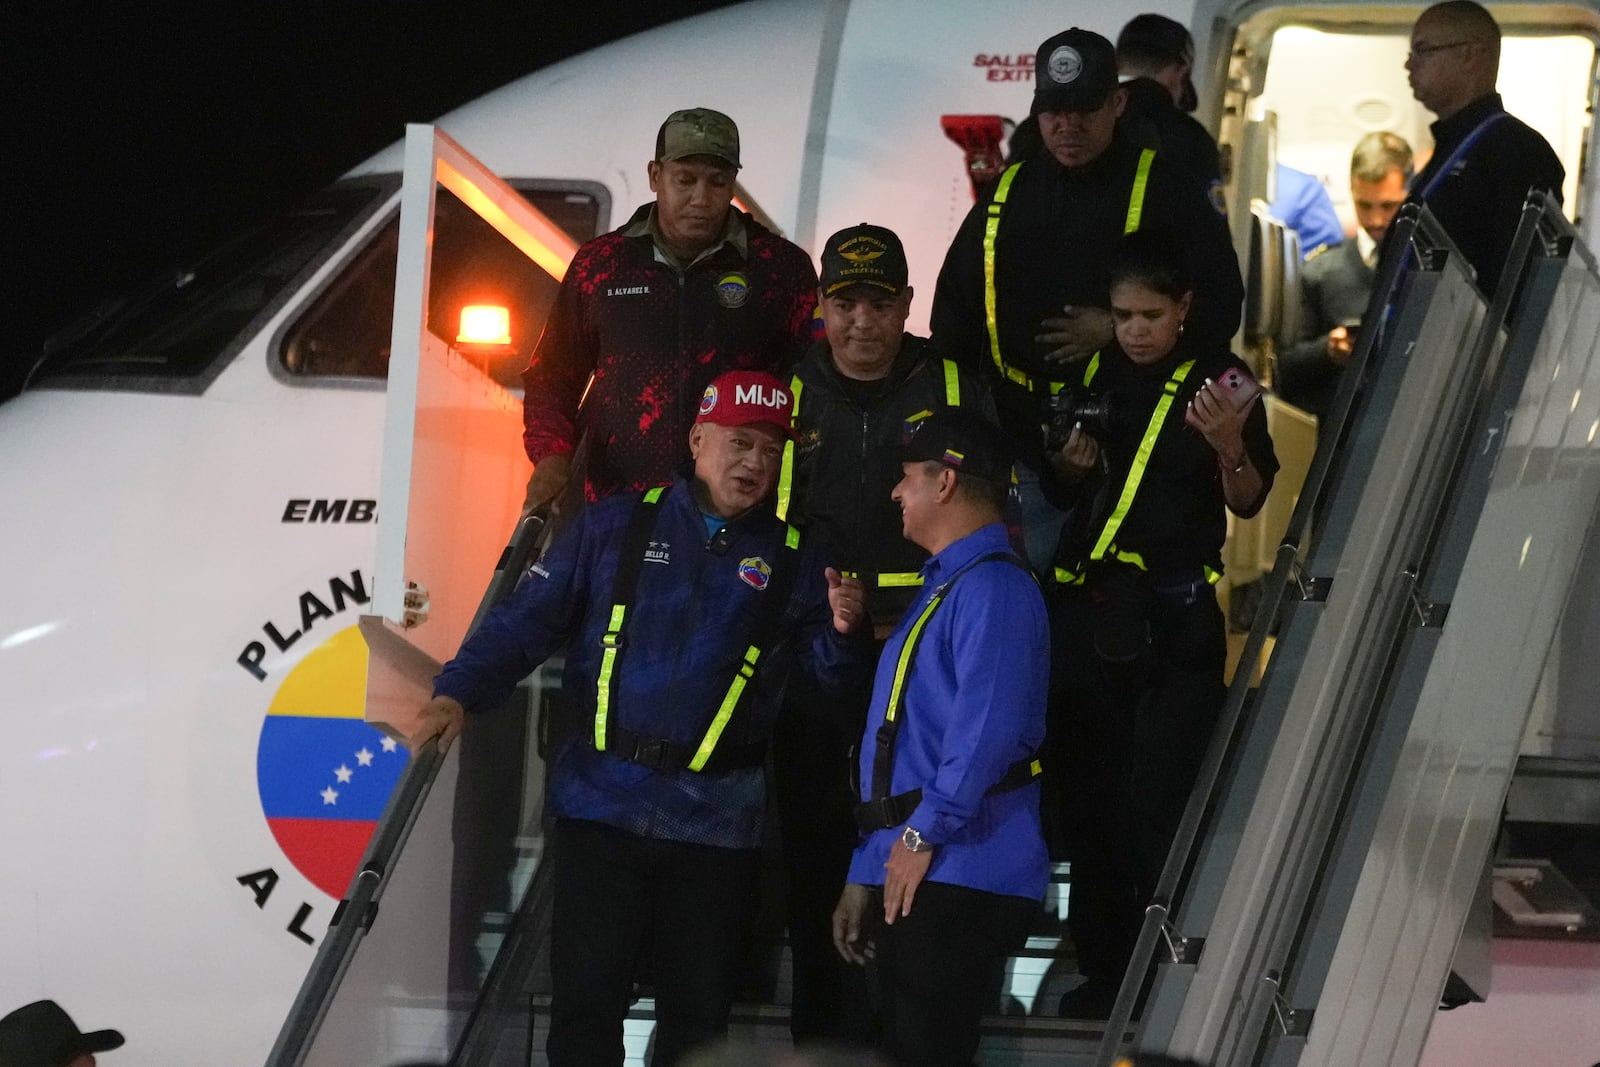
x=1331, y=877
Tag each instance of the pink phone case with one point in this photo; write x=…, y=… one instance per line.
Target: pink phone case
x=1238, y=385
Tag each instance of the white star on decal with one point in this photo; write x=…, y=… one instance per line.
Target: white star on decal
x=364, y=757
x=389, y=744
x=330, y=796
x=343, y=773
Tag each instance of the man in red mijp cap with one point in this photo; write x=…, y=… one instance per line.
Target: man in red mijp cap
x=682, y=610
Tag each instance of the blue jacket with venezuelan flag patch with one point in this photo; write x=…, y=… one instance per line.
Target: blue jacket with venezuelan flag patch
x=693, y=615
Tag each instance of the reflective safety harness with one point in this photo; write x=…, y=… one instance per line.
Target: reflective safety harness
x=1105, y=546
x=991, y=232
x=885, y=810
x=662, y=753
x=886, y=579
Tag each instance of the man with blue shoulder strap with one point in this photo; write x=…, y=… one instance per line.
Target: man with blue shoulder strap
x=1484, y=160
x=952, y=856
x=685, y=607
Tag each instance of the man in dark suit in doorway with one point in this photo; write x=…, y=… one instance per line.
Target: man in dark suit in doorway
x=1337, y=280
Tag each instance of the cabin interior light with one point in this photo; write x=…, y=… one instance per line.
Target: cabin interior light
x=485, y=324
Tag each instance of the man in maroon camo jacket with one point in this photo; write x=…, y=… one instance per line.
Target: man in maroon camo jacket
x=686, y=289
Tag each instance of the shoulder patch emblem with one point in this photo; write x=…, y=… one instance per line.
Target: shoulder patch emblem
x=1219, y=198
x=733, y=289
x=755, y=572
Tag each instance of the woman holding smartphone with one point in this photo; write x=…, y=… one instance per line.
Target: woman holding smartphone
x=1169, y=437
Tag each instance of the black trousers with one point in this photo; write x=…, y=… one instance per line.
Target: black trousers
x=1129, y=739
x=611, y=890
x=938, y=969
x=811, y=763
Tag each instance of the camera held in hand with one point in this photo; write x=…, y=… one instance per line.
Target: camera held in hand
x=1096, y=413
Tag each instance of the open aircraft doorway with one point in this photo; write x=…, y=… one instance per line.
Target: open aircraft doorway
x=1329, y=87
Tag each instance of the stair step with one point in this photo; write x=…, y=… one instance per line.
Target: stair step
x=1007, y=1040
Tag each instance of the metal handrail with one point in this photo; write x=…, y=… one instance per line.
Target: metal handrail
x=353, y=917
x=355, y=913
x=1416, y=232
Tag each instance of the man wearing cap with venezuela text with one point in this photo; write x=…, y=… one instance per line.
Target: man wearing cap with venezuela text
x=685, y=607
x=856, y=393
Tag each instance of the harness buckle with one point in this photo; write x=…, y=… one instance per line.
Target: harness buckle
x=650, y=751
x=876, y=814
x=611, y=639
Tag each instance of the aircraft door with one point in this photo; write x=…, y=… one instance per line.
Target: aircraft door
x=451, y=487
x=453, y=466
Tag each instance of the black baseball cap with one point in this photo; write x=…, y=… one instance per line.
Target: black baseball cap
x=962, y=441
x=1074, y=71
x=864, y=255
x=1162, y=40
x=41, y=1034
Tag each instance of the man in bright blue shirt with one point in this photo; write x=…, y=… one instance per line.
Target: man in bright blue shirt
x=1305, y=207
x=952, y=849
x=685, y=608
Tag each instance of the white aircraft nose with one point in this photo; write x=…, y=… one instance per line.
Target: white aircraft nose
x=147, y=542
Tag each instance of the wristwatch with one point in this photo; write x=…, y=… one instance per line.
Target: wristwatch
x=913, y=841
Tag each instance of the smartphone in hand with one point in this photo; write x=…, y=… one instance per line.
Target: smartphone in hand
x=1238, y=387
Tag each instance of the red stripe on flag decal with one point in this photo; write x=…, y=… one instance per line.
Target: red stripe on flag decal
x=326, y=851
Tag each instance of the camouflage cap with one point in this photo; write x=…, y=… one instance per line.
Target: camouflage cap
x=698, y=131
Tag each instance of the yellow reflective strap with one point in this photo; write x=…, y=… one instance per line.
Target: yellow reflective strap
x=952, y=384
x=1213, y=576
x=1068, y=577
x=991, y=230
x=903, y=667
x=602, y=686
x=1127, y=557
x=899, y=580
x=708, y=744
x=653, y=495
x=747, y=670
x=1035, y=768
x=1141, y=178
x=1092, y=369
x=1141, y=461
x=786, y=474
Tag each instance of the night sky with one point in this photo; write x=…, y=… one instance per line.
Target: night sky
x=150, y=132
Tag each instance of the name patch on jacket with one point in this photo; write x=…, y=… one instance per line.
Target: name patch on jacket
x=628, y=290
x=755, y=572
x=658, y=552
x=733, y=290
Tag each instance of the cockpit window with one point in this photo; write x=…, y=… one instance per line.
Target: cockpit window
x=345, y=333
x=178, y=331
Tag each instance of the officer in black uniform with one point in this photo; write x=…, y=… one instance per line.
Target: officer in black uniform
x=1484, y=160
x=1167, y=435
x=1023, y=284
x=858, y=391
x=1155, y=56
